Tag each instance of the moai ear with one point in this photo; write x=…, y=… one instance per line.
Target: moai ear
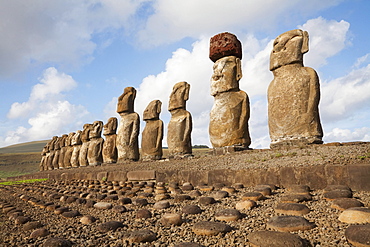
x=134, y=93
x=239, y=74
x=114, y=123
x=304, y=48
x=186, y=92
x=159, y=106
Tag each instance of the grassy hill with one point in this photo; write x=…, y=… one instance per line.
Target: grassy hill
x=20, y=159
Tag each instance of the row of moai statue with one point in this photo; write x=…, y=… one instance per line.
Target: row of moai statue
x=88, y=148
x=293, y=114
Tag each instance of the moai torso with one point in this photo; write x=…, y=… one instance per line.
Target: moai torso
x=56, y=153
x=76, y=143
x=230, y=113
x=181, y=124
x=51, y=153
x=109, y=148
x=294, y=93
x=85, y=145
x=69, y=151
x=151, y=142
x=94, y=155
x=128, y=128
x=63, y=149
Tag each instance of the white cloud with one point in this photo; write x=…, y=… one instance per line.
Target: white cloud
x=346, y=135
x=174, y=20
x=47, y=111
x=58, y=31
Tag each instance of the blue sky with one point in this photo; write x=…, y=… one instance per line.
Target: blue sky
x=64, y=63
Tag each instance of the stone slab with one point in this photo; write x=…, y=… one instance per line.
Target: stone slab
x=141, y=175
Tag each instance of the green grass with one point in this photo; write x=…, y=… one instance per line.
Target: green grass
x=23, y=181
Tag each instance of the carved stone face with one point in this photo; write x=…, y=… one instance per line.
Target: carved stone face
x=289, y=48
x=85, y=132
x=76, y=140
x=226, y=75
x=110, y=127
x=152, y=110
x=96, y=129
x=179, y=96
x=126, y=100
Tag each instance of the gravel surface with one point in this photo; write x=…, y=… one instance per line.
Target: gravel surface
x=328, y=230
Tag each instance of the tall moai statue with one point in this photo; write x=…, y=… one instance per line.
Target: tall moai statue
x=42, y=166
x=69, y=150
x=109, y=147
x=152, y=136
x=76, y=143
x=293, y=94
x=181, y=124
x=51, y=153
x=94, y=155
x=63, y=149
x=56, y=153
x=228, y=127
x=128, y=128
x=85, y=145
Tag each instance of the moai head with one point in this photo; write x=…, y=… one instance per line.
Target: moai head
x=179, y=96
x=76, y=140
x=85, y=132
x=69, y=139
x=126, y=100
x=225, y=51
x=152, y=111
x=96, y=129
x=110, y=127
x=52, y=142
x=62, y=141
x=289, y=48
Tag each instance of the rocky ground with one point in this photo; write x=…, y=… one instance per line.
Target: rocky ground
x=115, y=213
x=135, y=207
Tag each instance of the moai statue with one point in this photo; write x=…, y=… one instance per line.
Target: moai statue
x=51, y=153
x=151, y=142
x=63, y=150
x=76, y=143
x=69, y=150
x=128, y=128
x=109, y=147
x=228, y=126
x=43, y=158
x=293, y=94
x=85, y=145
x=56, y=153
x=180, y=125
x=94, y=155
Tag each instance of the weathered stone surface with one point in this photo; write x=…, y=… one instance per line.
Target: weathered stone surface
x=224, y=44
x=358, y=235
x=245, y=205
x=32, y=225
x=346, y=203
x=181, y=124
x=298, y=188
x=161, y=205
x=71, y=214
x=294, y=93
x=228, y=215
x=295, y=198
x=357, y=215
x=119, y=209
x=87, y=219
x=103, y=205
x=143, y=214
x=20, y=220
x=128, y=129
x=61, y=210
x=289, y=223
x=110, y=154
x=140, y=236
x=209, y=228
x=57, y=242
x=109, y=226
x=191, y=209
x=151, y=142
x=230, y=113
x=181, y=198
x=68, y=150
x=171, y=219
x=141, y=175
x=206, y=200
x=187, y=244
x=220, y=194
x=276, y=239
x=85, y=145
x=334, y=194
x=40, y=232
x=94, y=155
x=140, y=202
x=255, y=196
x=76, y=143
x=292, y=209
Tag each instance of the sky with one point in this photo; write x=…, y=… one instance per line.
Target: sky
x=64, y=63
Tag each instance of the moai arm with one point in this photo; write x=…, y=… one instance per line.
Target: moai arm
x=245, y=114
x=160, y=135
x=188, y=128
x=314, y=91
x=135, y=130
